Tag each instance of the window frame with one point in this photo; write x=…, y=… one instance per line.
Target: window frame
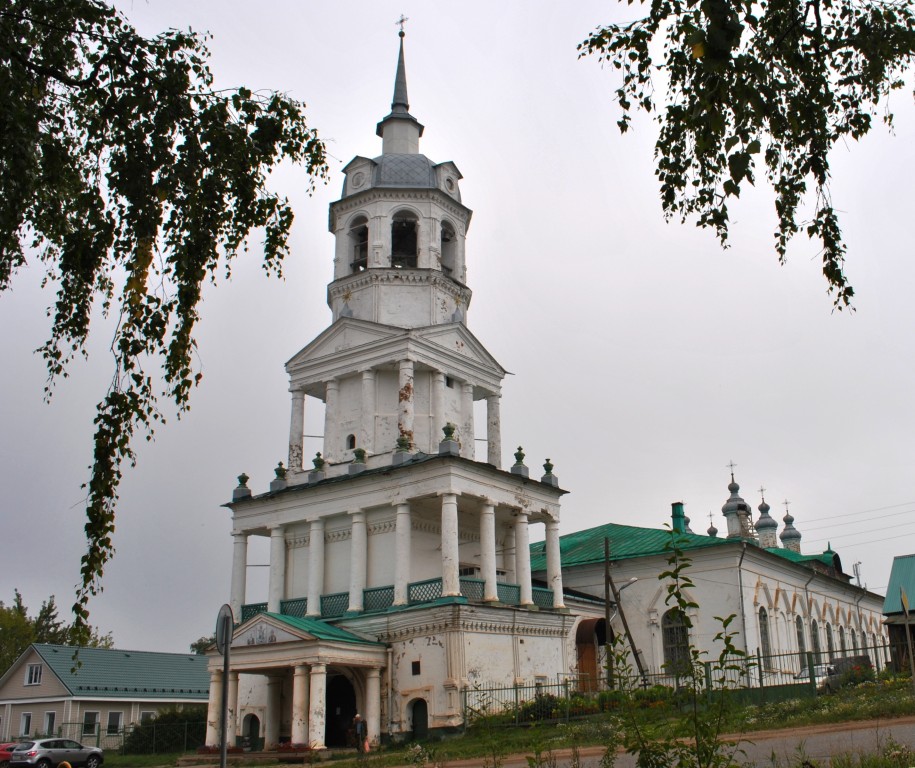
x=109, y=731
x=94, y=726
x=675, y=641
x=33, y=674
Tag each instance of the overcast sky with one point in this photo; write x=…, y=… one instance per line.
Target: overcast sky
x=644, y=358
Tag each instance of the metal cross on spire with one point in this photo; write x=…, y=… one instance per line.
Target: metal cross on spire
x=401, y=21
x=762, y=492
x=731, y=464
x=786, y=503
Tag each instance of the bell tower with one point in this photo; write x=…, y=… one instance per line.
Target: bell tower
x=397, y=363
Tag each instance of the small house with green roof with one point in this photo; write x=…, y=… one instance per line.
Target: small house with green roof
x=47, y=692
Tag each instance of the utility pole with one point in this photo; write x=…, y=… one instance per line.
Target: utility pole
x=619, y=609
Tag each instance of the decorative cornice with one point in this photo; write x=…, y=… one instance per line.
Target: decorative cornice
x=389, y=194
x=375, y=275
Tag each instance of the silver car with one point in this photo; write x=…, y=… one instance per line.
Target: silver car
x=49, y=753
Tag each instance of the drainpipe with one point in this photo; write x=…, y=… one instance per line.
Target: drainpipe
x=743, y=612
x=390, y=655
x=807, y=608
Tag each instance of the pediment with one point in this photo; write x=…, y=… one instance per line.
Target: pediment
x=455, y=338
x=345, y=334
x=261, y=630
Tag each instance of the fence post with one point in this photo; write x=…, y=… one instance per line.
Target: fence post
x=565, y=685
x=516, y=702
x=707, y=666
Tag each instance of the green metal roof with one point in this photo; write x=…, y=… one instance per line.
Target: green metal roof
x=626, y=541
x=901, y=575
x=321, y=629
x=827, y=558
x=106, y=672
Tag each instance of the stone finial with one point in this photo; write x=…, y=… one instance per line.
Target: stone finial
x=401, y=453
x=518, y=467
x=279, y=483
x=449, y=446
x=358, y=464
x=317, y=474
x=242, y=491
x=548, y=477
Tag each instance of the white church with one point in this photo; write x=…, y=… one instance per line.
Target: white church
x=401, y=566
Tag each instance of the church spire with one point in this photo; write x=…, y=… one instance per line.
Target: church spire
x=400, y=131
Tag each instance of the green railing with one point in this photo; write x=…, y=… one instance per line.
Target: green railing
x=510, y=594
x=251, y=610
x=335, y=605
x=543, y=598
x=472, y=589
x=425, y=591
x=297, y=607
x=377, y=598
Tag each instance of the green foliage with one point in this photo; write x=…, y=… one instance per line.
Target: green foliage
x=692, y=736
x=132, y=182
x=18, y=630
x=775, y=83
x=176, y=729
x=201, y=644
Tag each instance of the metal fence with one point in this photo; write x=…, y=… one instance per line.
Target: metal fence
x=140, y=739
x=755, y=679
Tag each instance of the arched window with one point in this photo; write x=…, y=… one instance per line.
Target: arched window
x=830, y=645
x=675, y=636
x=350, y=442
x=801, y=641
x=359, y=244
x=449, y=247
x=766, y=648
x=842, y=639
x=815, y=642
x=854, y=640
x=404, y=240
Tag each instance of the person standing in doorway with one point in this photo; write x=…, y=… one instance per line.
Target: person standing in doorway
x=362, y=742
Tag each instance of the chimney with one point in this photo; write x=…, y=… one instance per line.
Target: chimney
x=678, y=517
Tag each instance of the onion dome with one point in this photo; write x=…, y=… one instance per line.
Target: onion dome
x=790, y=536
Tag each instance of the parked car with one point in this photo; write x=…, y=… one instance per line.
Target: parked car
x=49, y=753
x=824, y=675
x=5, y=749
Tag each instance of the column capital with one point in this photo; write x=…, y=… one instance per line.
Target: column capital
x=367, y=373
x=443, y=494
x=519, y=513
x=236, y=534
x=276, y=528
x=487, y=502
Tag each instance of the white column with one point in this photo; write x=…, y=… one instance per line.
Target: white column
x=523, y=558
x=317, y=706
x=299, y=733
x=380, y=242
x=276, y=588
x=405, y=401
x=451, y=583
x=296, y=431
x=554, y=562
x=358, y=560
x=232, y=719
x=467, y=447
x=509, y=560
x=367, y=435
x=315, y=567
x=373, y=705
x=488, y=550
x=402, y=534
x=239, y=572
x=438, y=408
x=493, y=431
x=333, y=448
x=274, y=711
x=214, y=705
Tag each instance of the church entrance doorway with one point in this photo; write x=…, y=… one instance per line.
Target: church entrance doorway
x=420, y=717
x=251, y=733
x=341, y=709
x=590, y=640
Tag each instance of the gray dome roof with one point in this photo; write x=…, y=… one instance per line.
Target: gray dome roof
x=766, y=521
x=403, y=171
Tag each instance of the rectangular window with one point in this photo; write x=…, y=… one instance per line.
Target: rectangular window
x=25, y=723
x=147, y=717
x=415, y=667
x=50, y=720
x=33, y=674
x=90, y=723
x=114, y=723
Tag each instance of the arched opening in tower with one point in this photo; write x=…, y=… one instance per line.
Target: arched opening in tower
x=403, y=240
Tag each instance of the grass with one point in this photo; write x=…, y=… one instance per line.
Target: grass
x=490, y=742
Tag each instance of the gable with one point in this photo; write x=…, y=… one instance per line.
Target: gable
x=456, y=339
x=346, y=333
x=15, y=682
x=275, y=628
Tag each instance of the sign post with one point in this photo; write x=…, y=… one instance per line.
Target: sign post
x=225, y=623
